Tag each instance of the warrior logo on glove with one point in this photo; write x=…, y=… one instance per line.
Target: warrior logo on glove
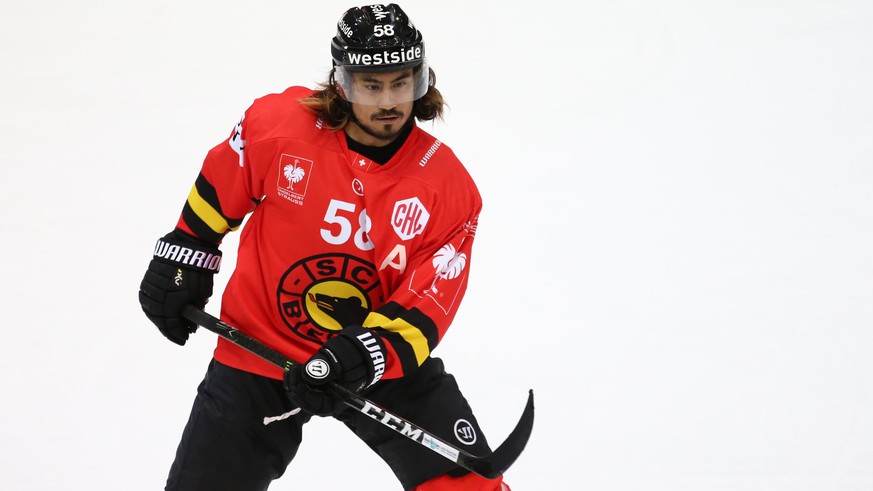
x=318, y=369
x=377, y=356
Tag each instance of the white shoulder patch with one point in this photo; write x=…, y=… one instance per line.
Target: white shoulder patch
x=236, y=142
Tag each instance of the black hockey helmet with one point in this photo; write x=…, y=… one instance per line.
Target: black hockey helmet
x=378, y=39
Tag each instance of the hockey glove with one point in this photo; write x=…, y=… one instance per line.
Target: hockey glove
x=354, y=359
x=180, y=273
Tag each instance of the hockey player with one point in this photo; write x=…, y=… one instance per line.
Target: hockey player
x=354, y=259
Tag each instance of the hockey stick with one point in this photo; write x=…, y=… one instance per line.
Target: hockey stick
x=489, y=466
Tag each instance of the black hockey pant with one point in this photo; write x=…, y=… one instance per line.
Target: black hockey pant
x=243, y=432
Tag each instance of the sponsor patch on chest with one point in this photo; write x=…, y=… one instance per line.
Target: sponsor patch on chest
x=293, y=179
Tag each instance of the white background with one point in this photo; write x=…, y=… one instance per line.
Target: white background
x=675, y=252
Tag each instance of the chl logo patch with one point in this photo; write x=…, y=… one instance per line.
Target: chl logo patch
x=293, y=179
x=409, y=218
x=320, y=295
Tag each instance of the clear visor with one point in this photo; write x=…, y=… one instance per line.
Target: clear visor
x=381, y=88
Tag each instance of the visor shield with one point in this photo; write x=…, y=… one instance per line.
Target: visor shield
x=360, y=85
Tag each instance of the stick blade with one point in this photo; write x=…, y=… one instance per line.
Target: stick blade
x=496, y=463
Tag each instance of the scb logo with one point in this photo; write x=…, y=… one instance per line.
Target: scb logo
x=321, y=294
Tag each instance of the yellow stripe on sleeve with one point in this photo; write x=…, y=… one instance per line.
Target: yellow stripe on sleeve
x=207, y=213
x=407, y=331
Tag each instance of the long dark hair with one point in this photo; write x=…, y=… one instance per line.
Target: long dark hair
x=335, y=112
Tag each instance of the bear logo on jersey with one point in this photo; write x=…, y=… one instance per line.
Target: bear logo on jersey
x=320, y=295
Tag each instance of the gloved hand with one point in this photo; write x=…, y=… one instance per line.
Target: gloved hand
x=180, y=273
x=355, y=359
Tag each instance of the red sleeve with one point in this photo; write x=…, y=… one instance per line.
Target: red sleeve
x=418, y=313
x=230, y=184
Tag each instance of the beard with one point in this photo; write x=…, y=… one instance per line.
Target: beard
x=382, y=131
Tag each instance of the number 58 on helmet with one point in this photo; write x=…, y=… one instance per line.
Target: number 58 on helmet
x=379, y=39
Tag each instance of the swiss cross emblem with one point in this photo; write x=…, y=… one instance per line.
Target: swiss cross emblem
x=409, y=218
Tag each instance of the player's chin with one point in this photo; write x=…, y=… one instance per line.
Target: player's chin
x=386, y=131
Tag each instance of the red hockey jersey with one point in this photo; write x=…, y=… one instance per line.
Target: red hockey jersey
x=334, y=239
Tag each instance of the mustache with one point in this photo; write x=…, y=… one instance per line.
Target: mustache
x=386, y=114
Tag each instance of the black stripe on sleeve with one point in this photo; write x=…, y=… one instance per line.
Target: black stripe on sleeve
x=417, y=319
x=207, y=192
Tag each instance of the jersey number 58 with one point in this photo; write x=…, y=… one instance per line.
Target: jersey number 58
x=342, y=213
